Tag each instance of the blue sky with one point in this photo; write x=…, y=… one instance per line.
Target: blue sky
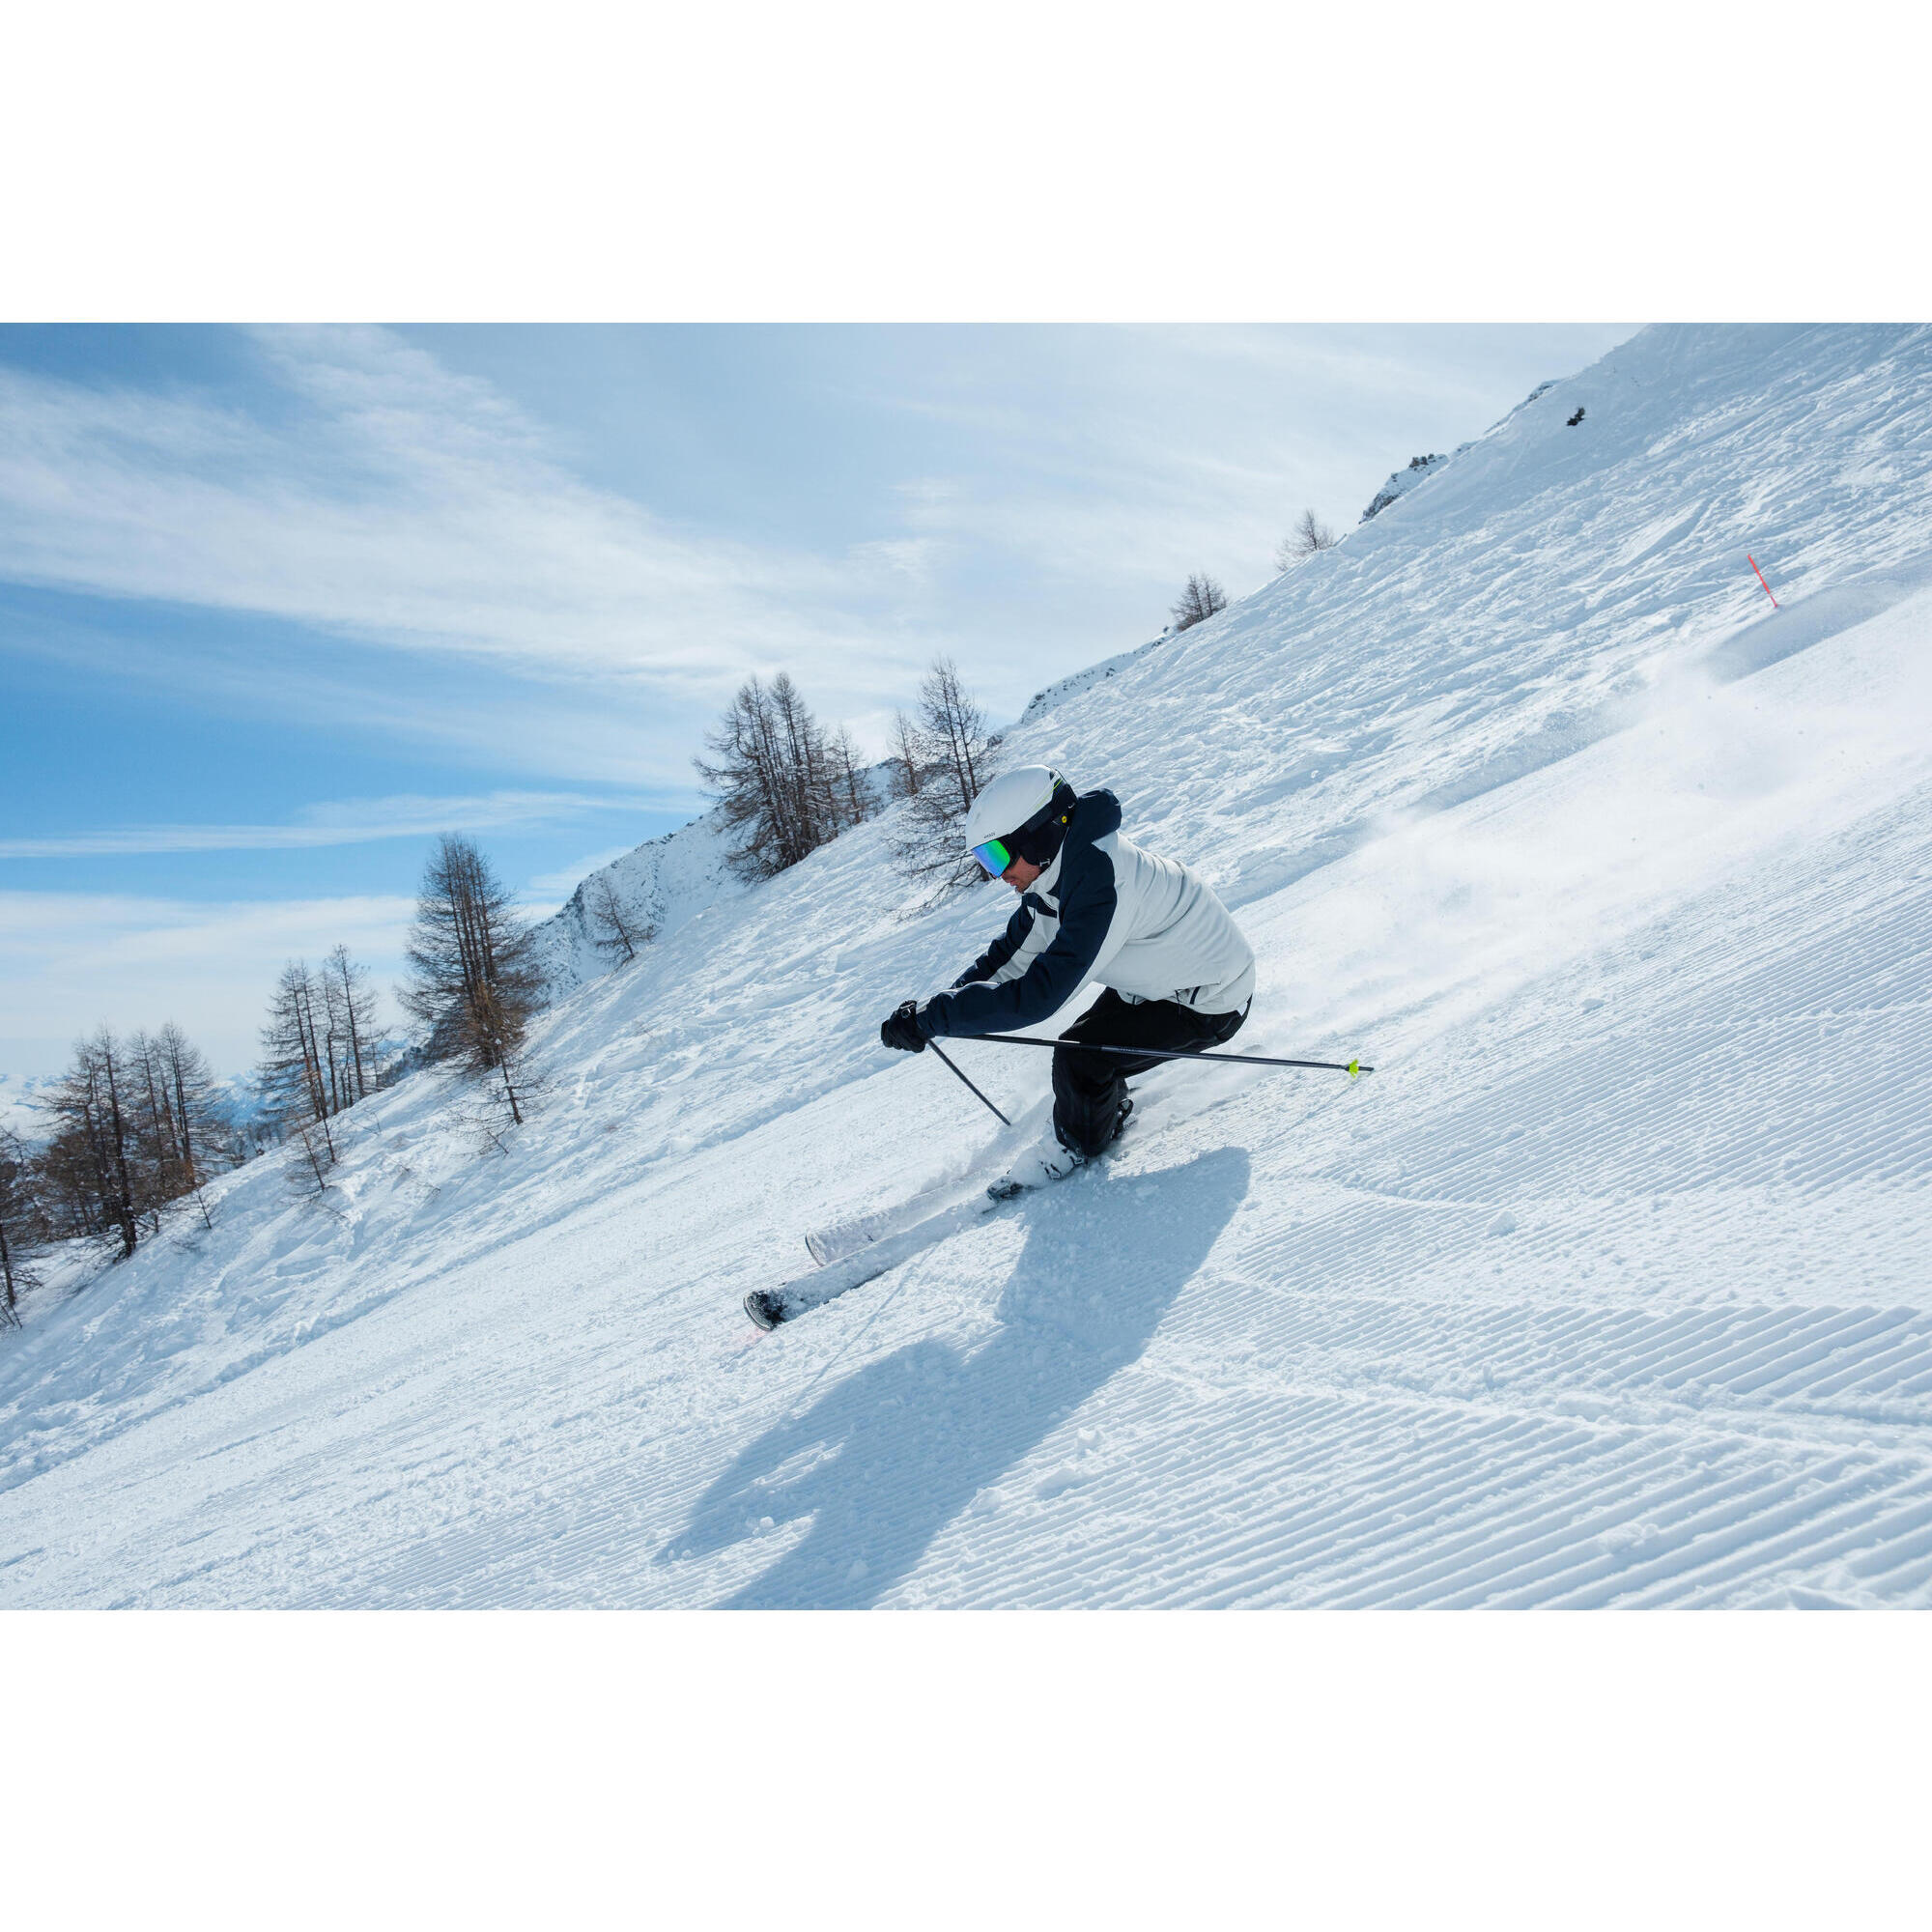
x=276, y=605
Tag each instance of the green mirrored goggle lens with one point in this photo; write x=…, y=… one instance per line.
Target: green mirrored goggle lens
x=994, y=856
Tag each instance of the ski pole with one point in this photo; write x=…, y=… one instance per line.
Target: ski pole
x=1349, y=1067
x=934, y=1044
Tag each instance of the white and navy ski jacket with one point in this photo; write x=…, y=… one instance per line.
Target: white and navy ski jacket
x=1148, y=927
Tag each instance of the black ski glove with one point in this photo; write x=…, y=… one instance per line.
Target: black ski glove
x=902, y=1030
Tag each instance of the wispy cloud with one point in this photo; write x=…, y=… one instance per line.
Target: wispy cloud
x=389, y=499
x=543, y=892
x=1141, y=454
x=347, y=822
x=69, y=961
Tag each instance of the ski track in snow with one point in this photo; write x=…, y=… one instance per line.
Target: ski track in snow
x=1609, y=1288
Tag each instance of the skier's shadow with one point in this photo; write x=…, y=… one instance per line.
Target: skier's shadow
x=885, y=1458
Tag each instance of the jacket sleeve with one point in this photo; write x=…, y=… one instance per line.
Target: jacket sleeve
x=1002, y=949
x=1086, y=915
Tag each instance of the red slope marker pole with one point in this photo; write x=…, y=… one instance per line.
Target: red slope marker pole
x=1752, y=561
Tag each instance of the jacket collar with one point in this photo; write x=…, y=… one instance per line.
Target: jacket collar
x=1098, y=814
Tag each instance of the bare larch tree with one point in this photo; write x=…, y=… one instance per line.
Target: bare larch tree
x=353, y=1003
x=947, y=754
x=613, y=926
x=1309, y=536
x=783, y=788
x=319, y=1045
x=132, y=1125
x=905, y=757
x=90, y=1158
x=954, y=729
x=1201, y=598
x=473, y=982
x=182, y=1122
x=19, y=1228
x=296, y=1074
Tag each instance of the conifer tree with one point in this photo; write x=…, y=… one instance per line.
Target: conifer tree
x=1309, y=536
x=943, y=761
x=1201, y=600
x=784, y=788
x=90, y=1159
x=19, y=1227
x=473, y=982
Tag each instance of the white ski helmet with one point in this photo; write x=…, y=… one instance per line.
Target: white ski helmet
x=1016, y=803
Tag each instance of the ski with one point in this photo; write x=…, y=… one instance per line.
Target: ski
x=827, y=1246
x=836, y=1241
x=770, y=1306
x=851, y=1253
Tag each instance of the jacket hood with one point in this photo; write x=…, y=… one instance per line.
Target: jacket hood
x=1098, y=814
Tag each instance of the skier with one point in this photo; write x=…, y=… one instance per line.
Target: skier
x=1177, y=971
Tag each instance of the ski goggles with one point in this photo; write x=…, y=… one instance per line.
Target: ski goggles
x=994, y=856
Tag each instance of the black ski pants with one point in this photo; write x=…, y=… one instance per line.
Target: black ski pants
x=1087, y=1087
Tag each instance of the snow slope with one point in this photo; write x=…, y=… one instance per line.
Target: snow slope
x=658, y=888
x=662, y=885
x=1054, y=695
x=1403, y=481
x=1608, y=1286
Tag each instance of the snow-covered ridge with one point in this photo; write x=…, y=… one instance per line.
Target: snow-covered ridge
x=1607, y=1287
x=1402, y=481
x=1420, y=469
x=660, y=887
x=1070, y=686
